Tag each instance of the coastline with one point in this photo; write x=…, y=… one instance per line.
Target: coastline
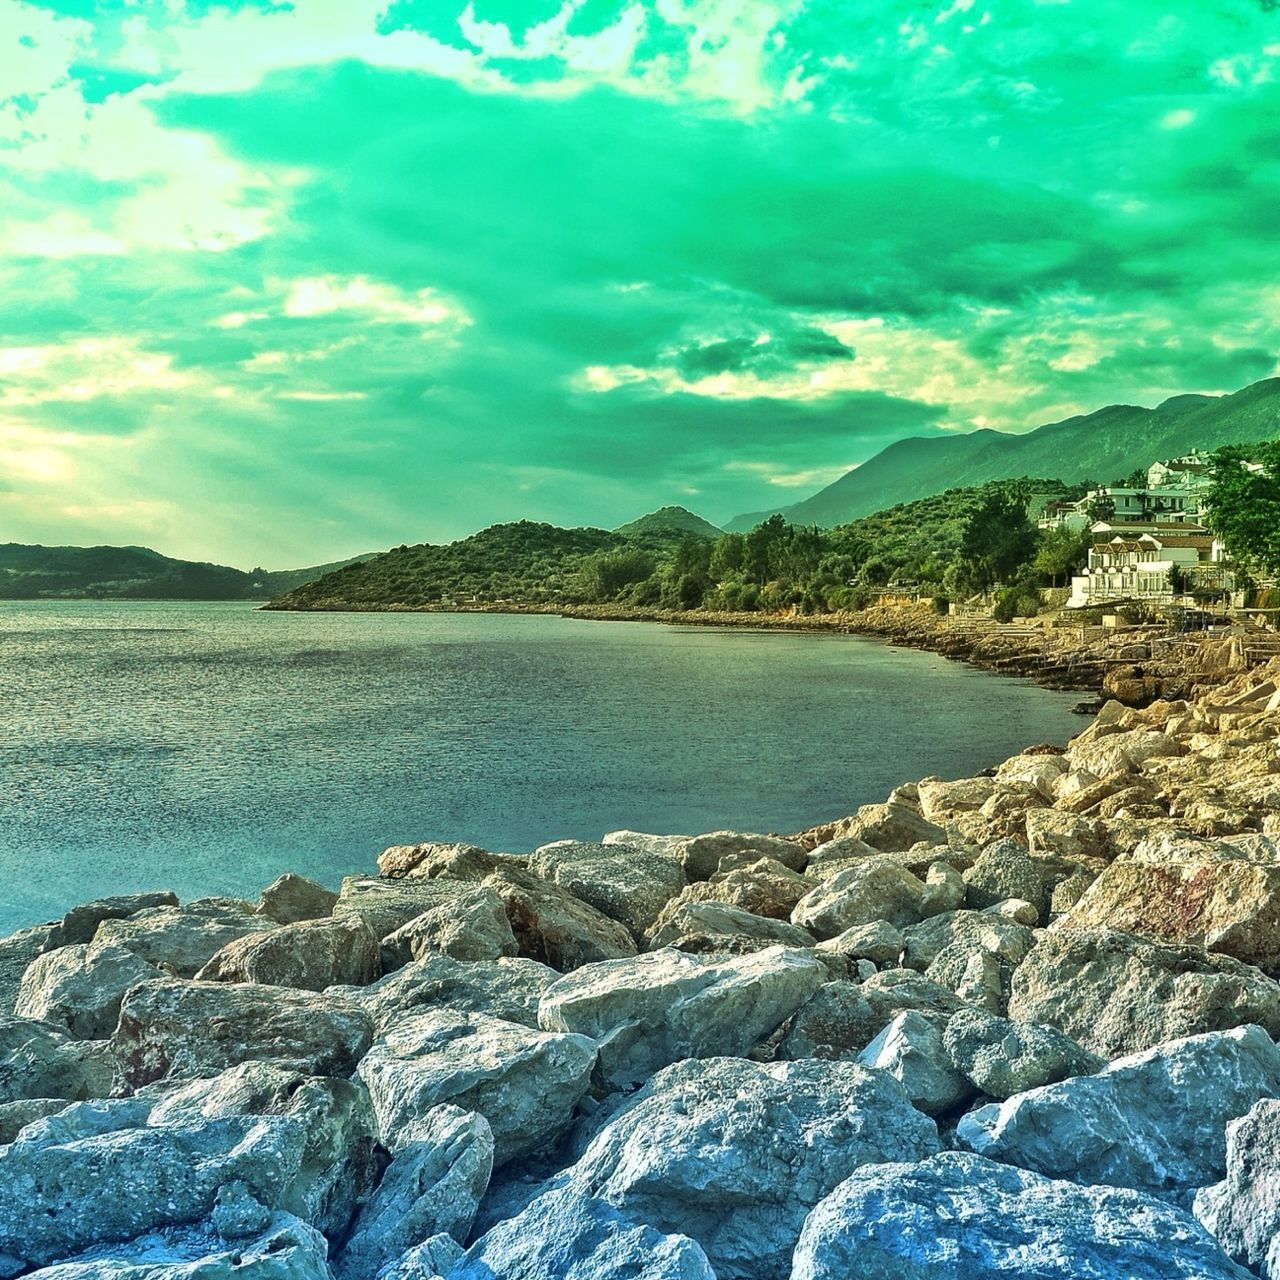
x=1133, y=665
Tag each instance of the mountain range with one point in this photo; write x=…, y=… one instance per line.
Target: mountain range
x=137, y=573
x=1098, y=446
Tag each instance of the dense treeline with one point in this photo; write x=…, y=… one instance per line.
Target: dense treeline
x=956, y=543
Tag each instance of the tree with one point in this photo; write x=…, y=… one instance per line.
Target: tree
x=1244, y=504
x=1061, y=552
x=998, y=538
x=727, y=556
x=604, y=575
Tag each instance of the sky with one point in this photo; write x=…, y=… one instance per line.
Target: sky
x=281, y=283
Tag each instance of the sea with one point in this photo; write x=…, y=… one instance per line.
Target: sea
x=207, y=748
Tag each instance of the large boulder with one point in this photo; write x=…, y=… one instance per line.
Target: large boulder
x=968, y=931
x=473, y=926
x=577, y=1237
x=763, y=886
x=17, y=953
x=871, y=890
x=182, y=940
x=554, y=927
x=1001, y=1057
x=385, y=905
x=38, y=1060
x=508, y=988
x=625, y=883
x=1227, y=906
x=911, y=1050
x=173, y=1030
x=432, y=1186
x=80, y=987
x=524, y=1083
x=284, y=1249
x=702, y=855
x=81, y=922
x=959, y=1217
x=1056, y=833
x=714, y=926
x=290, y=899
x=735, y=1153
x=889, y=827
x=1004, y=870
x=340, y=1159
x=99, y=1174
x=1115, y=994
x=668, y=1005
x=427, y=1261
x=1243, y=1210
x=1153, y=1122
x=940, y=801
x=843, y=1018
x=431, y=860
x=311, y=955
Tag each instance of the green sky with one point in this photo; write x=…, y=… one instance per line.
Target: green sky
x=283, y=282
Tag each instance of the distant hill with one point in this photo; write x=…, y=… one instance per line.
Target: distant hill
x=525, y=562
x=669, y=521
x=1098, y=446
x=135, y=573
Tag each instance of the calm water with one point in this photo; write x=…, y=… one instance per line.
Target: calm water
x=208, y=747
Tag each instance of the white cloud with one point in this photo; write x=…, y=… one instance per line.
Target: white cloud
x=327, y=295
x=1178, y=119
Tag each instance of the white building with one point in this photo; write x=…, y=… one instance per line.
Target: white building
x=1151, y=567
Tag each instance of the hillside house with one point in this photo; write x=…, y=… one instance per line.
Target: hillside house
x=1150, y=567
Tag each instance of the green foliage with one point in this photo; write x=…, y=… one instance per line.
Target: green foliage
x=1017, y=601
x=1244, y=505
x=1060, y=553
x=998, y=538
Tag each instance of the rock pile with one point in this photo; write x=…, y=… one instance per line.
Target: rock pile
x=1021, y=1024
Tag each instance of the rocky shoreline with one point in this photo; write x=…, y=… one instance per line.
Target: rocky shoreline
x=1019, y=1024
x=1135, y=666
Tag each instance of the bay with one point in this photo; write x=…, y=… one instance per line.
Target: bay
x=209, y=747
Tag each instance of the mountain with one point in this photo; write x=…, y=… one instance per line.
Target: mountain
x=669, y=521
x=136, y=573
x=1098, y=446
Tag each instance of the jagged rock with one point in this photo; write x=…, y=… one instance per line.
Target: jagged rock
x=844, y=1017
x=81, y=923
x=889, y=827
x=745, y=1151
x=576, y=1237
x=959, y=1217
x=944, y=890
x=431, y=1260
x=1154, y=1121
x=667, y=1005
x=1001, y=1057
x=525, y=1083
x=507, y=988
x=969, y=930
x=385, y=905
x=625, y=883
x=286, y=1249
x=98, y=1174
x=1243, y=1210
x=710, y=926
x=172, y=1030
x=1116, y=994
x=431, y=860
x=291, y=899
x=17, y=952
x=878, y=942
x=37, y=1060
x=1053, y=833
x=668, y=846
x=876, y=889
x=1004, y=870
x=80, y=987
x=911, y=1050
x=473, y=926
x=1230, y=907
x=839, y=853
x=311, y=955
x=941, y=800
x=700, y=856
x=432, y=1186
x=339, y=1163
x=763, y=887
x=1122, y=752
x=182, y=940
x=554, y=927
